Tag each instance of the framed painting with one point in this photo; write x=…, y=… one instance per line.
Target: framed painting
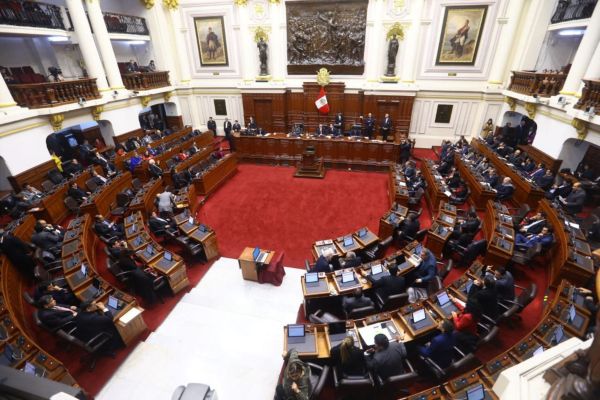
x=461, y=35
x=443, y=114
x=212, y=45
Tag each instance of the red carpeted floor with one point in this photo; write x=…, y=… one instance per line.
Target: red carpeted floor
x=267, y=207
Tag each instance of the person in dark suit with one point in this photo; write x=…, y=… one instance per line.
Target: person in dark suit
x=98, y=179
x=157, y=223
x=54, y=315
x=236, y=126
x=141, y=281
x=483, y=296
x=441, y=347
x=533, y=225
x=77, y=193
x=370, y=126
x=545, y=237
x=409, y=227
x=470, y=225
x=505, y=284
x=154, y=169
x=94, y=318
x=227, y=127
x=405, y=148
x=388, y=285
x=386, y=358
x=538, y=171
x=46, y=240
x=351, y=260
x=356, y=300
x=515, y=158
x=322, y=263
x=545, y=181
x=60, y=295
x=18, y=252
x=338, y=124
x=106, y=228
x=410, y=169
x=251, y=124
x=211, y=125
x=521, y=133
x=321, y=130
x=425, y=271
x=348, y=359
x=562, y=190
x=491, y=177
x=72, y=168
x=505, y=190
x=574, y=201
x=386, y=126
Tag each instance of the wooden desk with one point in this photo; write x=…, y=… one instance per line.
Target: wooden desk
x=434, y=193
x=322, y=246
x=208, y=240
x=391, y=220
x=397, y=186
x=210, y=180
x=144, y=199
x=249, y=266
x=173, y=270
x=480, y=194
x=492, y=369
x=437, y=236
x=434, y=393
x=500, y=248
x=367, y=239
x=101, y=202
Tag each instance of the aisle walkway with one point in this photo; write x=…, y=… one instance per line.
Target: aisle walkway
x=226, y=332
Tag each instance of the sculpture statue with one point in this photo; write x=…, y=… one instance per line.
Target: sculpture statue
x=392, y=53
x=262, y=55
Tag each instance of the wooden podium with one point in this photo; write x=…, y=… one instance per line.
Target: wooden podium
x=249, y=267
x=310, y=166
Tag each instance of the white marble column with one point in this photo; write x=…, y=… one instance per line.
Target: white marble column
x=583, y=58
x=6, y=99
x=506, y=43
x=374, y=56
x=275, y=39
x=248, y=71
x=163, y=38
x=412, y=43
x=182, y=54
x=104, y=45
x=593, y=70
x=87, y=46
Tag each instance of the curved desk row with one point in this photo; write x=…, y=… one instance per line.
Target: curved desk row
x=145, y=197
x=209, y=180
x=481, y=192
x=436, y=190
x=398, y=190
x=499, y=232
x=103, y=199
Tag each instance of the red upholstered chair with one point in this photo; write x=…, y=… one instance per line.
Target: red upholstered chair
x=274, y=272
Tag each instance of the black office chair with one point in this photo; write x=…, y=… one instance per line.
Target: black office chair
x=461, y=360
x=522, y=212
x=526, y=257
x=47, y=186
x=487, y=333
x=136, y=183
x=318, y=377
x=91, y=184
x=92, y=347
x=445, y=270
x=122, y=201
x=396, y=385
x=53, y=275
x=72, y=205
x=376, y=251
x=322, y=317
x=512, y=308
x=361, y=312
x=358, y=386
x=391, y=302
x=470, y=253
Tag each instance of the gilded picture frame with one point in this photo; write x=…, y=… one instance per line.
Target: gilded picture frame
x=212, y=43
x=460, y=36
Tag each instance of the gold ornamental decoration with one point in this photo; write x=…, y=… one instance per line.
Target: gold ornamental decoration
x=56, y=120
x=531, y=109
x=240, y=2
x=512, y=103
x=260, y=32
x=580, y=127
x=274, y=1
x=167, y=96
x=145, y=100
x=171, y=4
x=148, y=3
x=395, y=30
x=323, y=77
x=97, y=112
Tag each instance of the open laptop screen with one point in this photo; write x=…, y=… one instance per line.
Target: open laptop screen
x=572, y=313
x=348, y=241
x=168, y=256
x=362, y=232
x=149, y=249
x=559, y=333
x=348, y=277
x=476, y=393
x=418, y=315
x=311, y=277
x=295, y=330
x=256, y=253
x=443, y=298
x=113, y=302
x=376, y=269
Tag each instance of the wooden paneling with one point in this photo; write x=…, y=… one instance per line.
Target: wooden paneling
x=278, y=112
x=175, y=121
x=138, y=133
x=540, y=157
x=35, y=176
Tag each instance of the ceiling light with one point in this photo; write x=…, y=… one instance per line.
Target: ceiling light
x=59, y=39
x=571, y=32
x=136, y=42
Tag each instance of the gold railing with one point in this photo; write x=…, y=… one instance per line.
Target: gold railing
x=52, y=94
x=540, y=83
x=146, y=80
x=590, y=96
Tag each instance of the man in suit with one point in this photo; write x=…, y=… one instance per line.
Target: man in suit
x=409, y=227
x=157, y=223
x=386, y=358
x=369, y=125
x=470, y=225
x=154, y=169
x=491, y=177
x=46, y=240
x=545, y=181
x=227, y=127
x=505, y=283
x=388, y=285
x=72, y=168
x=321, y=130
x=30, y=194
x=425, y=271
x=98, y=179
x=94, y=318
x=404, y=150
x=574, y=201
x=562, y=190
x=532, y=225
x=54, y=315
x=18, y=252
x=105, y=228
x=483, y=297
x=515, y=158
x=60, y=295
x=338, y=124
x=538, y=171
x=77, y=193
x=545, y=237
x=386, y=126
x=441, y=347
x=521, y=132
x=505, y=190
x=108, y=167
x=252, y=125
x=410, y=169
x=322, y=263
x=351, y=260
x=211, y=125
x=236, y=126
x=356, y=300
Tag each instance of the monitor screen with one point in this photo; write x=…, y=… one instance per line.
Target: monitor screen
x=138, y=240
x=295, y=330
x=113, y=302
x=149, y=249
x=362, y=232
x=376, y=269
x=538, y=351
x=191, y=220
x=418, y=249
x=348, y=241
x=311, y=277
x=168, y=256
x=572, y=313
x=203, y=228
x=559, y=333
x=476, y=393
x=443, y=298
x=447, y=219
x=337, y=327
x=393, y=218
x=419, y=315
x=29, y=368
x=256, y=253
x=84, y=269
x=348, y=277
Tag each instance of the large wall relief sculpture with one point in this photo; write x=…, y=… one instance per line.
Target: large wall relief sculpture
x=326, y=34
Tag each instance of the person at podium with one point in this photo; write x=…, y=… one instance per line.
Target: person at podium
x=339, y=124
x=252, y=128
x=369, y=125
x=333, y=131
x=321, y=130
x=386, y=126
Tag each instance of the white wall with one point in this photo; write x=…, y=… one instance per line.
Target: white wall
x=557, y=51
x=141, y=53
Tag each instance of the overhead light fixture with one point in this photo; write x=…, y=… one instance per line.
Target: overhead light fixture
x=136, y=42
x=571, y=32
x=58, y=39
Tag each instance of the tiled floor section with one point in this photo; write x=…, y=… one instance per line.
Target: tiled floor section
x=226, y=333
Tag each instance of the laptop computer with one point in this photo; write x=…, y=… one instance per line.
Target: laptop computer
x=443, y=298
x=149, y=250
x=203, y=228
x=138, y=240
x=113, y=302
x=31, y=369
x=476, y=393
x=419, y=318
x=348, y=278
x=362, y=232
x=259, y=256
x=539, y=350
x=348, y=241
x=168, y=256
x=572, y=313
x=83, y=270
x=295, y=334
x=558, y=335
x=468, y=286
x=311, y=279
x=337, y=331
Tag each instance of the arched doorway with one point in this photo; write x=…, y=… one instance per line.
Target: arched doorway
x=161, y=116
x=521, y=127
x=66, y=142
x=4, y=174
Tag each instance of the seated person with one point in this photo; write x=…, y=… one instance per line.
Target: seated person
x=57, y=230
x=416, y=182
x=410, y=169
x=454, y=181
x=141, y=281
x=470, y=225
x=54, y=315
x=465, y=325
x=459, y=194
x=557, y=191
x=30, y=194
x=104, y=227
x=296, y=379
x=421, y=276
x=505, y=283
x=46, y=240
x=94, y=318
x=348, y=359
x=72, y=168
x=441, y=347
x=528, y=165
x=533, y=224
x=515, y=158
x=321, y=130
x=98, y=179
x=538, y=171
x=154, y=169
x=351, y=260
x=483, y=297
x=545, y=181
x=323, y=262
x=386, y=358
x=77, y=193
x=60, y=295
x=586, y=173
x=573, y=203
x=505, y=190
x=388, y=285
x=108, y=167
x=356, y=300
x=157, y=223
x=409, y=227
x=504, y=150
x=491, y=177
x=545, y=237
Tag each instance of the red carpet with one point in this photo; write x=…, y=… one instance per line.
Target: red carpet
x=269, y=208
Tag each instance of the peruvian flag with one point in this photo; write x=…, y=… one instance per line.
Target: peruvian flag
x=321, y=102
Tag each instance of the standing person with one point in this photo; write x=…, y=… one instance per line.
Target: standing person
x=212, y=44
x=212, y=126
x=296, y=379
x=386, y=127
x=18, y=252
x=405, y=148
x=369, y=125
x=227, y=128
x=339, y=123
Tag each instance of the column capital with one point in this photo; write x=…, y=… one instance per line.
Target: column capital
x=97, y=112
x=240, y=3
x=56, y=120
x=171, y=4
x=581, y=127
x=148, y=3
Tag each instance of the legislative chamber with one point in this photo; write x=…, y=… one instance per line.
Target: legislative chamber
x=299, y=199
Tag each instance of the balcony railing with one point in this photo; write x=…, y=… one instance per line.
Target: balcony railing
x=52, y=94
x=29, y=13
x=118, y=23
x=590, y=96
x=570, y=10
x=539, y=83
x=146, y=80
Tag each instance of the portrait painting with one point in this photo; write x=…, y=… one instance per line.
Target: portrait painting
x=212, y=46
x=461, y=34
